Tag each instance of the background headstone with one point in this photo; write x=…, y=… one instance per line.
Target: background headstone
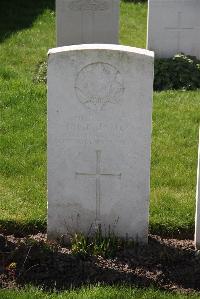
x=87, y=21
x=197, y=224
x=99, y=138
x=174, y=27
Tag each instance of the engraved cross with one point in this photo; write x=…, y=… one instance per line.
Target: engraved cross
x=97, y=175
x=179, y=29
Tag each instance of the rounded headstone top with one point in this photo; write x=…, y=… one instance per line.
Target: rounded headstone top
x=110, y=47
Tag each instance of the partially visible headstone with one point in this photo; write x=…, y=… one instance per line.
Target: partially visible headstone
x=99, y=139
x=87, y=22
x=174, y=27
x=197, y=222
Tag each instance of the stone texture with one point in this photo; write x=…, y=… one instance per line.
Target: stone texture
x=197, y=222
x=87, y=21
x=99, y=137
x=174, y=27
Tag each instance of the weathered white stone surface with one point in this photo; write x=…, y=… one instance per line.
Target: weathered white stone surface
x=87, y=21
x=99, y=136
x=197, y=222
x=174, y=27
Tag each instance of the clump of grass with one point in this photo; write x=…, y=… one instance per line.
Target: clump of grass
x=95, y=292
x=7, y=73
x=105, y=245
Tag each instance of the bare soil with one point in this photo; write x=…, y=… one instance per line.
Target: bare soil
x=165, y=263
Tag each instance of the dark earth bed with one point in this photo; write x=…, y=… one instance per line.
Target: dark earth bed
x=168, y=264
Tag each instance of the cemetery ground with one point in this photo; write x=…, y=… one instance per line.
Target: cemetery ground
x=170, y=262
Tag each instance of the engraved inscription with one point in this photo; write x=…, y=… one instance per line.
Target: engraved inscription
x=89, y=130
x=89, y=5
x=98, y=84
x=97, y=175
x=179, y=30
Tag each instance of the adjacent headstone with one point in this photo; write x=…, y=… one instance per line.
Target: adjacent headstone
x=87, y=21
x=197, y=222
x=99, y=137
x=174, y=27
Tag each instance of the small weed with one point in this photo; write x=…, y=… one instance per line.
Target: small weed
x=80, y=245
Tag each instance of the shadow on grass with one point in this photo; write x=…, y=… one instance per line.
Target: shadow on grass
x=31, y=227
x=16, y=15
x=176, y=233
x=22, y=229
x=162, y=264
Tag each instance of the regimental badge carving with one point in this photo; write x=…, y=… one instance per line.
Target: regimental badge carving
x=89, y=5
x=98, y=84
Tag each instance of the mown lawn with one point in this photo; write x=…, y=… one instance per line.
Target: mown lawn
x=98, y=292
x=23, y=117
x=27, y=31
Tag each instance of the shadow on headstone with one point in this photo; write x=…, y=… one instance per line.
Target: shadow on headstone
x=16, y=15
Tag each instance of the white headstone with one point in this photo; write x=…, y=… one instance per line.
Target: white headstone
x=174, y=27
x=197, y=222
x=99, y=138
x=87, y=21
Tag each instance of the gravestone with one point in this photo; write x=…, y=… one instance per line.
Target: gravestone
x=174, y=27
x=87, y=21
x=197, y=222
x=99, y=136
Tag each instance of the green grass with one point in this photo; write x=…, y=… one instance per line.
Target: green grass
x=27, y=30
x=94, y=293
x=25, y=41
x=176, y=119
x=23, y=119
x=133, y=24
